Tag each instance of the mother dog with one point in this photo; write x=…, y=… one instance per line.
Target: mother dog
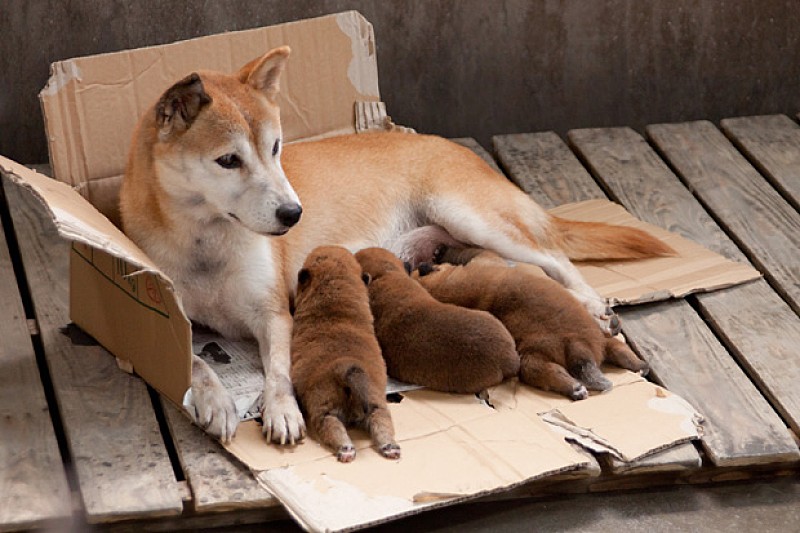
x=206, y=195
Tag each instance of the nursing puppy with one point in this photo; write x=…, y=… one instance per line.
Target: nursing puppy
x=426, y=342
x=337, y=368
x=230, y=214
x=559, y=344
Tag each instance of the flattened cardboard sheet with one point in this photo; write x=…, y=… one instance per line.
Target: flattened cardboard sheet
x=694, y=269
x=456, y=447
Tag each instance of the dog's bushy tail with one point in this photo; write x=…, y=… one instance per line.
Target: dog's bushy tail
x=592, y=241
x=356, y=385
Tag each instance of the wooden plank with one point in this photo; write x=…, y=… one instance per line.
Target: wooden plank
x=741, y=426
x=759, y=219
x=756, y=324
x=32, y=478
x=218, y=481
x=542, y=165
x=772, y=143
x=123, y=470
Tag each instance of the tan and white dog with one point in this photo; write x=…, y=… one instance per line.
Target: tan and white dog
x=206, y=195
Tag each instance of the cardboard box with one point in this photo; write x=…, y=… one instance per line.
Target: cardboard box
x=455, y=447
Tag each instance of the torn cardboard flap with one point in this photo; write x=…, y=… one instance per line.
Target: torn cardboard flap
x=693, y=269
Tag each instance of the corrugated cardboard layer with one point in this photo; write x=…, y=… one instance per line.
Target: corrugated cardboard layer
x=455, y=447
x=91, y=104
x=693, y=269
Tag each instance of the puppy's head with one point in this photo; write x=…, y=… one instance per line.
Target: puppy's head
x=329, y=267
x=217, y=146
x=377, y=262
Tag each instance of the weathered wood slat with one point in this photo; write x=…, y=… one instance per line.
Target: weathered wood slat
x=759, y=219
x=121, y=462
x=33, y=483
x=542, y=165
x=772, y=143
x=755, y=323
x=638, y=178
x=218, y=481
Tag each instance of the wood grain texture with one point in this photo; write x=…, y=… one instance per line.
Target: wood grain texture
x=219, y=482
x=750, y=209
x=772, y=144
x=33, y=483
x=741, y=428
x=118, y=452
x=544, y=166
x=635, y=175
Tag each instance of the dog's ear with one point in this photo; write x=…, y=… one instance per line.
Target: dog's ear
x=180, y=105
x=264, y=73
x=303, y=277
x=407, y=266
x=366, y=278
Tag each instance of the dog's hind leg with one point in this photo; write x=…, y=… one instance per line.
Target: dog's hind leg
x=516, y=228
x=619, y=354
x=380, y=427
x=550, y=376
x=330, y=431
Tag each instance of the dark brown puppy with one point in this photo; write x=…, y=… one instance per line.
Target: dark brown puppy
x=441, y=346
x=559, y=343
x=337, y=368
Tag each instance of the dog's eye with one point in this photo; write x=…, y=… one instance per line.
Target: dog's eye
x=229, y=161
x=276, y=147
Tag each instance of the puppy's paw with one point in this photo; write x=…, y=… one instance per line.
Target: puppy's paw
x=283, y=422
x=214, y=410
x=346, y=453
x=390, y=451
x=602, y=314
x=579, y=392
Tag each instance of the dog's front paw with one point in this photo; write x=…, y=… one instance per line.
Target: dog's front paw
x=390, y=450
x=214, y=410
x=602, y=314
x=283, y=422
x=346, y=453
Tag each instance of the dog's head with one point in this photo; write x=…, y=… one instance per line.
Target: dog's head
x=330, y=267
x=217, y=146
x=377, y=262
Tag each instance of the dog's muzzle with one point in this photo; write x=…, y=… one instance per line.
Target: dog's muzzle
x=288, y=214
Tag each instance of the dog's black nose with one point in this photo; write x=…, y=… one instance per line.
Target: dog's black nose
x=289, y=214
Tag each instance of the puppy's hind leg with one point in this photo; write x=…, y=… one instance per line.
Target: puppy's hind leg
x=582, y=365
x=380, y=427
x=550, y=377
x=619, y=354
x=331, y=432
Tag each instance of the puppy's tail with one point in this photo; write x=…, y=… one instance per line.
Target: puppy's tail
x=356, y=385
x=591, y=241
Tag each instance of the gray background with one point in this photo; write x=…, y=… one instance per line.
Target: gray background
x=461, y=67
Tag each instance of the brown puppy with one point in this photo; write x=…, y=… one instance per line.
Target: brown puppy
x=441, y=346
x=337, y=369
x=559, y=343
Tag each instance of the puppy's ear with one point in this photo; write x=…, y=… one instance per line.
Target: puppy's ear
x=180, y=105
x=264, y=73
x=303, y=277
x=407, y=266
x=366, y=278
x=425, y=268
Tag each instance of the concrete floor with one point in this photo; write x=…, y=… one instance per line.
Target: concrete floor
x=750, y=507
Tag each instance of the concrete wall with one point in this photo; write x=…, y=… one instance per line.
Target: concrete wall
x=461, y=67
